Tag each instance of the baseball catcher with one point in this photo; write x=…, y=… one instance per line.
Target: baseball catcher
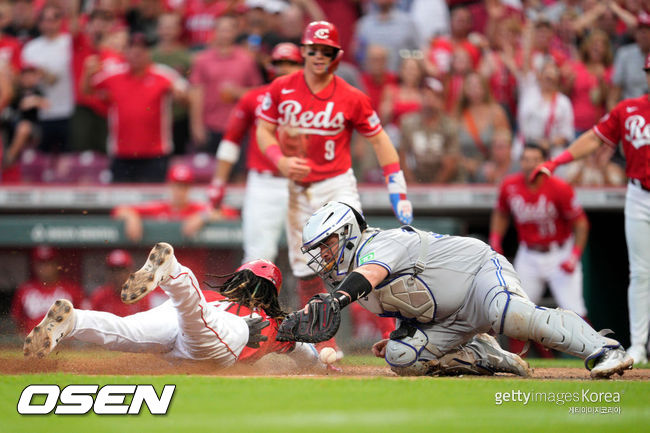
x=445, y=291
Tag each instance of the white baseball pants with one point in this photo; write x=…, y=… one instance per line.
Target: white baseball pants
x=637, y=234
x=264, y=215
x=184, y=327
x=536, y=268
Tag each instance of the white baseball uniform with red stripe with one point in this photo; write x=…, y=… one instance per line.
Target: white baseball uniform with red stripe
x=629, y=123
x=327, y=119
x=139, y=115
x=266, y=198
x=543, y=218
x=193, y=324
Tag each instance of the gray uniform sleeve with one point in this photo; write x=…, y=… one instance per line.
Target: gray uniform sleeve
x=391, y=249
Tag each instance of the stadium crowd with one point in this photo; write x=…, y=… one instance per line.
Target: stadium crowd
x=460, y=85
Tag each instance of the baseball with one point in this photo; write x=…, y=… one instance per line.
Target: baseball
x=327, y=355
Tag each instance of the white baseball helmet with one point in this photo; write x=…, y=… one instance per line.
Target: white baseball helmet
x=334, y=218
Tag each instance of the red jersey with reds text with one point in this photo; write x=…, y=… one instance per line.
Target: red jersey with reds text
x=139, y=115
x=266, y=347
x=327, y=118
x=542, y=215
x=629, y=123
x=34, y=298
x=243, y=118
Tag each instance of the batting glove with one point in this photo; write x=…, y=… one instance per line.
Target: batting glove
x=402, y=207
x=216, y=193
x=546, y=168
x=569, y=265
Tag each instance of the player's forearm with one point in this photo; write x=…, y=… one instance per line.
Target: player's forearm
x=584, y=145
x=265, y=134
x=384, y=149
x=581, y=232
x=195, y=99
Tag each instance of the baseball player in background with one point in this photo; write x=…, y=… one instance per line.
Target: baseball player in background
x=264, y=212
x=34, y=297
x=627, y=123
x=314, y=114
x=444, y=290
x=552, y=230
x=193, y=324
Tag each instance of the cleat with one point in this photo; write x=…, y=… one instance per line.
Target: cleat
x=57, y=323
x=612, y=360
x=156, y=269
x=502, y=361
x=638, y=354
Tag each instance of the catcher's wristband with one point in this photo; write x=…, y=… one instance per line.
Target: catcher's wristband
x=353, y=287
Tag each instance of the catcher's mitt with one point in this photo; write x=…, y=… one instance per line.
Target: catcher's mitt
x=317, y=322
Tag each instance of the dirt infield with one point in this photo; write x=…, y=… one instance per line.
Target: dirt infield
x=147, y=364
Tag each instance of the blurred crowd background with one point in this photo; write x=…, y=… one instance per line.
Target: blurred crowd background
x=460, y=85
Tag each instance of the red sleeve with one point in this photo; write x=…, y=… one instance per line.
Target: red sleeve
x=16, y=56
x=608, y=128
x=570, y=209
x=151, y=209
x=241, y=118
x=502, y=200
x=269, y=108
x=366, y=120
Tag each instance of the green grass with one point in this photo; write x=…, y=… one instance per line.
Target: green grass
x=264, y=404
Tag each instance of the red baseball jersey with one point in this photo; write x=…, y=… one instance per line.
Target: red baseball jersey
x=34, y=298
x=243, y=118
x=107, y=298
x=543, y=215
x=327, y=118
x=139, y=115
x=266, y=347
x=10, y=49
x=628, y=123
x=200, y=17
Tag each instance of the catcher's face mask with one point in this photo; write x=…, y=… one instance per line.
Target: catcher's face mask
x=331, y=237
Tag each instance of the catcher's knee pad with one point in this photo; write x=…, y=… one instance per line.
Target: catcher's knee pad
x=558, y=329
x=406, y=350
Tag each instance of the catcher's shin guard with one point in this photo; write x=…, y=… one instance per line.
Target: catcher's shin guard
x=558, y=329
x=482, y=356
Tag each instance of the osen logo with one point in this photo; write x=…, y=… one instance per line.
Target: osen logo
x=109, y=400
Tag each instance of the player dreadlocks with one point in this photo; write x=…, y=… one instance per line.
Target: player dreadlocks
x=255, y=284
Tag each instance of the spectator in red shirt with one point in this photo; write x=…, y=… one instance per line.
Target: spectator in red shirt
x=376, y=76
x=10, y=47
x=34, y=297
x=139, y=98
x=220, y=76
x=587, y=81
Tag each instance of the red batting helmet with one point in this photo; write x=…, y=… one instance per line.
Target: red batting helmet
x=264, y=269
x=286, y=51
x=323, y=33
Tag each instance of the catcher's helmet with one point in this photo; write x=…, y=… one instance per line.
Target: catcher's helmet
x=286, y=51
x=324, y=33
x=264, y=269
x=333, y=218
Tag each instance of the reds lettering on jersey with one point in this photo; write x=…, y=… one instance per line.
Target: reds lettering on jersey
x=243, y=118
x=327, y=119
x=541, y=216
x=629, y=123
